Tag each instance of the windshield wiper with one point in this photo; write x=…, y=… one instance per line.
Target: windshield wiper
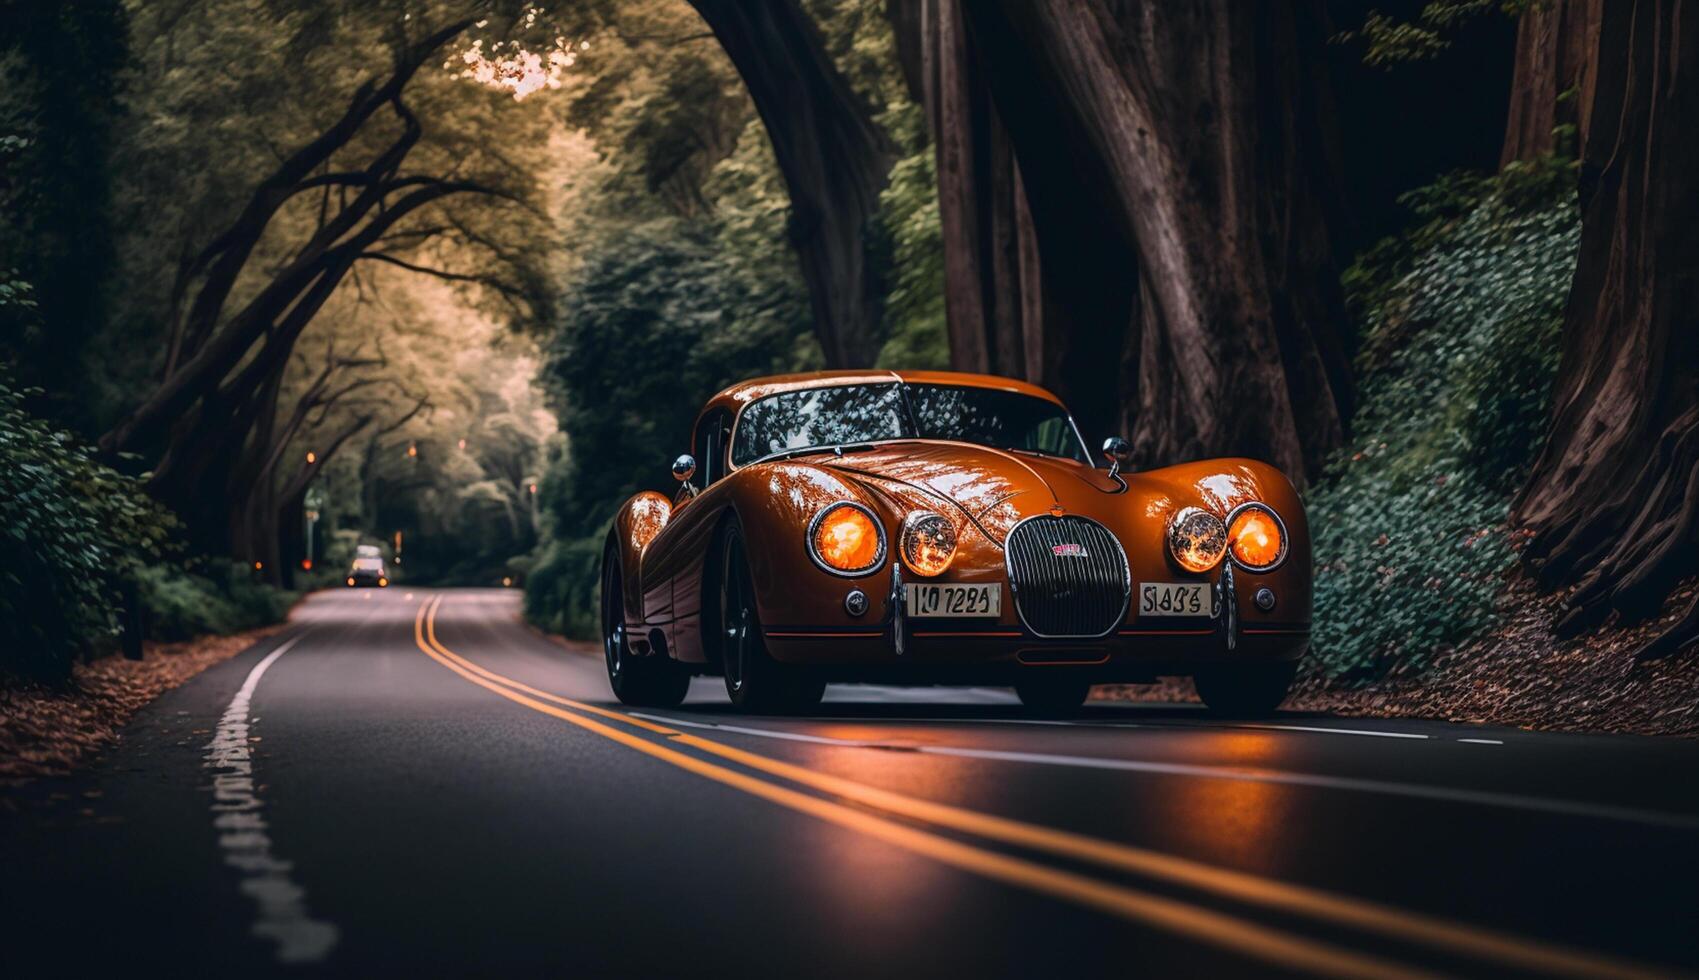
x=837, y=449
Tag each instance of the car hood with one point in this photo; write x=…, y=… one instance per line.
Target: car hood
x=992, y=488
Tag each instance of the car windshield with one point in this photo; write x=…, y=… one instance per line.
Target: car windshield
x=821, y=418
x=1001, y=419
x=368, y=564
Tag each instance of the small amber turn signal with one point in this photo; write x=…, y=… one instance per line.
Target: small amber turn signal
x=1256, y=538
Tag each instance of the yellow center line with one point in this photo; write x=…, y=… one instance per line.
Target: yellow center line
x=1398, y=924
x=1201, y=924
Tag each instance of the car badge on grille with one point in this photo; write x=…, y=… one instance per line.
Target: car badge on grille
x=1068, y=550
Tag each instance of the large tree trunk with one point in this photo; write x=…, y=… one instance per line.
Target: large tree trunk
x=1555, y=44
x=834, y=158
x=1614, y=496
x=1177, y=161
x=992, y=290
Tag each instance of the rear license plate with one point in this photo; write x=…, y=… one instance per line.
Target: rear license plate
x=951, y=600
x=1175, y=599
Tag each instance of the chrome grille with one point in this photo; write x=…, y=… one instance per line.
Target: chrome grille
x=1068, y=574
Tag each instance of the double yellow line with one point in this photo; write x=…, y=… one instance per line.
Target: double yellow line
x=1157, y=911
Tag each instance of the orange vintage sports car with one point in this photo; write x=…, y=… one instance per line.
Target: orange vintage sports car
x=920, y=527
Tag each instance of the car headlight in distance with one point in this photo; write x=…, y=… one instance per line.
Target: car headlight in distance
x=1256, y=537
x=846, y=539
x=928, y=543
x=1197, y=539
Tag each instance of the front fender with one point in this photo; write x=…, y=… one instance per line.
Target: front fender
x=635, y=525
x=1218, y=486
x=774, y=504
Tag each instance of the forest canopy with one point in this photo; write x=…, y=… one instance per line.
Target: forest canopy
x=453, y=277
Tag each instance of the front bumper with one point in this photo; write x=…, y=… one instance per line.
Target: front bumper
x=902, y=649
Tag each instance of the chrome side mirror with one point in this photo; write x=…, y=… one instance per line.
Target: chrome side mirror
x=1119, y=452
x=684, y=468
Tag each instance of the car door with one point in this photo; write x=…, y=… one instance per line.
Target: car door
x=673, y=565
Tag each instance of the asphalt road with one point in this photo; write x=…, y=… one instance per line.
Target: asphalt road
x=414, y=783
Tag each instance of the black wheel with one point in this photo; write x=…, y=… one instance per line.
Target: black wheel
x=654, y=681
x=1246, y=690
x=755, y=682
x=1053, y=695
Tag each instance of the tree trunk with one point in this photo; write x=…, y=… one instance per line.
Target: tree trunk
x=1178, y=161
x=992, y=291
x=1555, y=47
x=835, y=161
x=1614, y=495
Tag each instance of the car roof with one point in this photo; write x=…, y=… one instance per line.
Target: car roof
x=741, y=394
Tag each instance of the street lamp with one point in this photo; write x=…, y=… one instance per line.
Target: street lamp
x=312, y=458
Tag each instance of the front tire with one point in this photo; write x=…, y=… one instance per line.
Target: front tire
x=654, y=681
x=755, y=682
x=1246, y=690
x=1052, y=695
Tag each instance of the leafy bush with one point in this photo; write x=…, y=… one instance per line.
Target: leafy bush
x=70, y=528
x=658, y=322
x=912, y=241
x=180, y=605
x=1461, y=321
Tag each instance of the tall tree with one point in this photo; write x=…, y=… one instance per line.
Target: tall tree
x=1177, y=161
x=834, y=157
x=1552, y=83
x=992, y=287
x=61, y=70
x=1613, y=499
x=366, y=188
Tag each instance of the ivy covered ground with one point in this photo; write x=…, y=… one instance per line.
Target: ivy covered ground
x=1460, y=323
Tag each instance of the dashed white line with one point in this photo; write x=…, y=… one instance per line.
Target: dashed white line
x=1482, y=741
x=282, y=907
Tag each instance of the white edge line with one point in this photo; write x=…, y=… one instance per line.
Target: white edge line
x=1577, y=808
x=281, y=909
x=1332, y=731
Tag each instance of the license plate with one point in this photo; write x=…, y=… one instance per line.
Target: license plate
x=952, y=600
x=1175, y=599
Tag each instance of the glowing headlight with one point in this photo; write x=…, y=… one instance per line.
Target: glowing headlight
x=929, y=543
x=1256, y=537
x=1197, y=539
x=845, y=539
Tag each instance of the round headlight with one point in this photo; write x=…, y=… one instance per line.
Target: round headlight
x=929, y=543
x=846, y=539
x=1256, y=537
x=1197, y=539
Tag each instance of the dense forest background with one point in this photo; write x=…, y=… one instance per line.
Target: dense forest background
x=279, y=278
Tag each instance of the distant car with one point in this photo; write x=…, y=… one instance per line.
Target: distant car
x=933, y=527
x=368, y=572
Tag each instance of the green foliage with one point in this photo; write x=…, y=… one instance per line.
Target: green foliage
x=908, y=217
x=658, y=321
x=69, y=529
x=1388, y=41
x=1462, y=317
x=181, y=605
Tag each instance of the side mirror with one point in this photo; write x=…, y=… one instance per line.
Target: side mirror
x=684, y=468
x=1119, y=452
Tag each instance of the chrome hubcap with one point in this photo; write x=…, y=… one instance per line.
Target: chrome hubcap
x=616, y=649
